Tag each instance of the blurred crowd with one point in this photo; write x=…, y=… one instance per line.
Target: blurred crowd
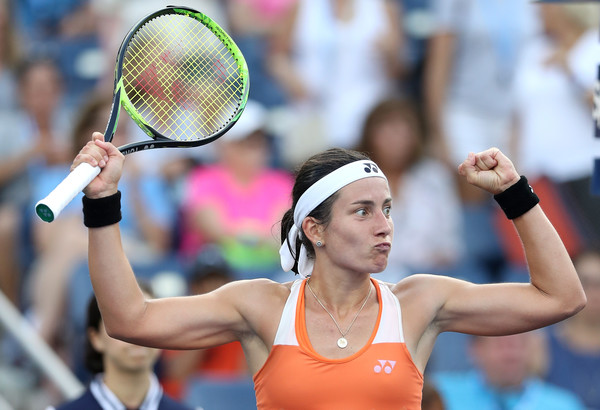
x=417, y=84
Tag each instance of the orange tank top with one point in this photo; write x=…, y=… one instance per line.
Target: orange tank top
x=380, y=376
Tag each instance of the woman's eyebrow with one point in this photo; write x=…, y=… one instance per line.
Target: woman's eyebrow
x=368, y=202
x=365, y=202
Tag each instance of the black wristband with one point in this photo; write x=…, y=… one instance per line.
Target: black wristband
x=517, y=199
x=102, y=211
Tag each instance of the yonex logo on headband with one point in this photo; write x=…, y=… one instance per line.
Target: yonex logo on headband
x=371, y=167
x=313, y=197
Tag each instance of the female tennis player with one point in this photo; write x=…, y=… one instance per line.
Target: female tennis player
x=335, y=338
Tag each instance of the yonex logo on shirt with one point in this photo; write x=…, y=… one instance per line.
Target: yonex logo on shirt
x=384, y=365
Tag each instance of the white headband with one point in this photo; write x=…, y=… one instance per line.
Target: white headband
x=313, y=197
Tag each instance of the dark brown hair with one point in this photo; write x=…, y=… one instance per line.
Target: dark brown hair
x=432, y=400
x=312, y=170
x=93, y=359
x=9, y=36
x=96, y=106
x=388, y=110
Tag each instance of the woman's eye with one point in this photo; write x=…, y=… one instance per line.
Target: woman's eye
x=361, y=212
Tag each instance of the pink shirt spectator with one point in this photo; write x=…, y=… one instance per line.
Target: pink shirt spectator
x=249, y=215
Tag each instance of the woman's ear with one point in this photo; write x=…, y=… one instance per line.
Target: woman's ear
x=312, y=229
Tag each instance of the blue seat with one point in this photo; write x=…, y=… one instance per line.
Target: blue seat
x=208, y=393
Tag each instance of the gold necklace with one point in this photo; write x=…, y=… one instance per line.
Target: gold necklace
x=342, y=342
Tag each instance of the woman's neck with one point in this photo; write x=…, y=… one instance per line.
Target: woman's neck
x=130, y=388
x=341, y=295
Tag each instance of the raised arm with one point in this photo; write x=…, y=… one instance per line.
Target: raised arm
x=185, y=322
x=554, y=292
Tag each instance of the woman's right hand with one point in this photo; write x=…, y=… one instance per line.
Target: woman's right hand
x=100, y=153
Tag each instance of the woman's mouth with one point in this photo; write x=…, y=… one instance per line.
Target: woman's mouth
x=384, y=246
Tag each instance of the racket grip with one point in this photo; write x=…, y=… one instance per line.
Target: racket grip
x=50, y=207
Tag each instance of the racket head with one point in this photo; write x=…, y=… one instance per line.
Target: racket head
x=181, y=78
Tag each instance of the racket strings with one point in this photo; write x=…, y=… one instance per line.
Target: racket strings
x=179, y=88
x=204, y=85
x=181, y=78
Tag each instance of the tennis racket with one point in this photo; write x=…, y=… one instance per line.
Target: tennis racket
x=181, y=79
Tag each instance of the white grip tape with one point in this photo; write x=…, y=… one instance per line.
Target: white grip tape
x=50, y=207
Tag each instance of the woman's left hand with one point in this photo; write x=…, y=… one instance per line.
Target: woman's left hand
x=490, y=170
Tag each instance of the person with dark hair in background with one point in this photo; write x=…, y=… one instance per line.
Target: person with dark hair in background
x=34, y=134
x=426, y=238
x=124, y=377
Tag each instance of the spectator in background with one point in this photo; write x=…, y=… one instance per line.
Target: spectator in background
x=252, y=24
x=470, y=70
x=41, y=21
x=426, y=238
x=44, y=119
x=237, y=202
x=226, y=362
x=335, y=59
x=10, y=53
x=554, y=130
x=14, y=156
x=68, y=31
x=502, y=379
x=34, y=139
x=468, y=81
x=123, y=372
x=573, y=347
x=61, y=246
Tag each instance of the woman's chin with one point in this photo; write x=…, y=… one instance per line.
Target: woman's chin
x=379, y=267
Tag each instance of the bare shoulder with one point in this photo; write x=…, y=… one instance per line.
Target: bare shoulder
x=425, y=289
x=413, y=283
x=422, y=297
x=252, y=290
x=260, y=302
x=417, y=282
x=257, y=299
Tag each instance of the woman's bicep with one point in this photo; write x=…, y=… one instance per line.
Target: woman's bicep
x=494, y=309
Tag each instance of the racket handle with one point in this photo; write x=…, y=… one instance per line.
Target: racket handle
x=49, y=207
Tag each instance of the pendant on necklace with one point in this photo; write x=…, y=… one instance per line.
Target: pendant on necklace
x=342, y=342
